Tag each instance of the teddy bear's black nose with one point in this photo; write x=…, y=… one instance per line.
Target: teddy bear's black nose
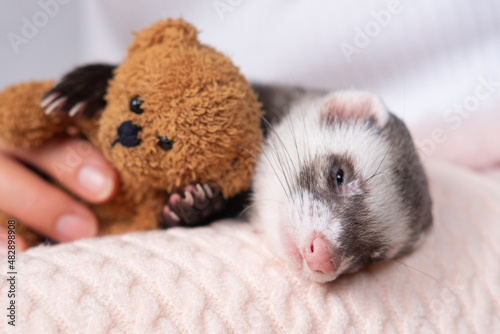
x=127, y=134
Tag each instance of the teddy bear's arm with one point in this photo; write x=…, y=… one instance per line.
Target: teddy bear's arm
x=200, y=205
x=24, y=123
x=80, y=92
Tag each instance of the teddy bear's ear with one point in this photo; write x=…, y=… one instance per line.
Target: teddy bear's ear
x=169, y=32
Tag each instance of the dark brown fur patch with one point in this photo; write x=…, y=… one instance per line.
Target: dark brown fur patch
x=86, y=84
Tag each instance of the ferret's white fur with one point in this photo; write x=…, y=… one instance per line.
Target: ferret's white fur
x=300, y=137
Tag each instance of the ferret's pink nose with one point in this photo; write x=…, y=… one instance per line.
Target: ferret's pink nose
x=318, y=256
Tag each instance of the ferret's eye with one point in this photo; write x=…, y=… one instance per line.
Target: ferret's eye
x=340, y=177
x=135, y=105
x=165, y=143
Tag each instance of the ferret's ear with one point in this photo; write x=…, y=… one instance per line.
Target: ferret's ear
x=354, y=104
x=169, y=32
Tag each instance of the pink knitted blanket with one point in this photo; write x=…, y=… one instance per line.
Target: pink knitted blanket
x=223, y=279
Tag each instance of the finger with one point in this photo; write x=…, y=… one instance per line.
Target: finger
x=76, y=164
x=19, y=243
x=44, y=208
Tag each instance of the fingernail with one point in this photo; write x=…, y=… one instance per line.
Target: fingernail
x=72, y=227
x=95, y=182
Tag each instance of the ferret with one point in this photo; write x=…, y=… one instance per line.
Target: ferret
x=338, y=183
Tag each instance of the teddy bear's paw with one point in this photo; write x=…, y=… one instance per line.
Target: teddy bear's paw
x=192, y=207
x=80, y=92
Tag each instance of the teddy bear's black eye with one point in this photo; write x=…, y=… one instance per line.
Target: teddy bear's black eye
x=135, y=105
x=165, y=143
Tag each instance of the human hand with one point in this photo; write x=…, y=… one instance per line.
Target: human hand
x=43, y=207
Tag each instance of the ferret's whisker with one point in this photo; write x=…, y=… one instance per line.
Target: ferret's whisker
x=292, y=132
x=268, y=200
x=247, y=208
x=424, y=273
x=379, y=173
x=285, y=152
x=305, y=147
x=275, y=172
x=279, y=160
x=381, y=162
x=297, y=172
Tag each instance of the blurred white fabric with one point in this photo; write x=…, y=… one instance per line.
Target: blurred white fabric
x=423, y=57
x=223, y=279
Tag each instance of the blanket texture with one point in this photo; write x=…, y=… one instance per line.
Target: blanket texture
x=223, y=279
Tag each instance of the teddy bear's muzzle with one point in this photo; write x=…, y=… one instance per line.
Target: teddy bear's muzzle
x=127, y=134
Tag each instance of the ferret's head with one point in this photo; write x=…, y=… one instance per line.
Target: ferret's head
x=339, y=185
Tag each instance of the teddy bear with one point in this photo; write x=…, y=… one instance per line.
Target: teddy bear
x=175, y=117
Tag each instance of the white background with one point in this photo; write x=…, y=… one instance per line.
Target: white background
x=424, y=58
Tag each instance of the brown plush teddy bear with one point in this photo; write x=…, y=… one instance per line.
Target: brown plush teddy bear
x=175, y=113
